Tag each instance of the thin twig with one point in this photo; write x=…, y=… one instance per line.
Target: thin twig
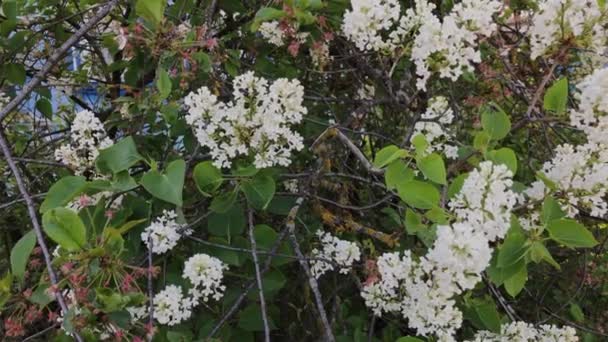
x=290, y=227
x=55, y=58
x=31, y=209
x=357, y=152
x=291, y=217
x=258, y=276
x=150, y=289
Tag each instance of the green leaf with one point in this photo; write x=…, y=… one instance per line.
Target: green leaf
x=230, y=223
x=250, y=319
x=433, y=168
x=551, y=210
x=418, y=194
x=577, y=313
x=570, y=233
x=512, y=250
x=397, y=172
x=387, y=155
x=223, y=202
x=62, y=192
x=259, y=191
x=538, y=253
x=517, y=281
x=556, y=97
x=152, y=10
x=420, y=144
x=163, y=83
x=9, y=9
x=15, y=73
x=413, y=222
x=409, y=339
x=5, y=289
x=496, y=123
x=207, y=177
x=20, y=254
x=44, y=106
x=118, y=157
x=481, y=141
x=488, y=315
x=265, y=14
x=65, y=228
x=456, y=185
x=169, y=185
x=504, y=156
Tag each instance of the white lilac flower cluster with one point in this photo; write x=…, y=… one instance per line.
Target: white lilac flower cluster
x=581, y=172
x=368, y=21
x=558, y=20
x=171, y=306
x=272, y=32
x=342, y=253
x=164, y=232
x=423, y=290
x=449, y=46
x=437, y=115
x=524, y=332
x=87, y=137
x=258, y=122
x=205, y=273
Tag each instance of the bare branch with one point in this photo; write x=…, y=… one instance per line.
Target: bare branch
x=31, y=209
x=258, y=276
x=54, y=59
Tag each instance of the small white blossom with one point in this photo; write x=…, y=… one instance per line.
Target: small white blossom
x=525, y=332
x=87, y=137
x=435, y=127
x=368, y=20
x=165, y=232
x=171, y=307
x=205, y=273
x=341, y=252
x=271, y=31
x=257, y=123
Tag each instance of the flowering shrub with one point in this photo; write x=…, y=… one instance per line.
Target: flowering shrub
x=306, y=170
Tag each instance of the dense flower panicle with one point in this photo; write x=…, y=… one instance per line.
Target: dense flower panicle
x=448, y=45
x=558, y=20
x=87, y=137
x=171, y=307
x=165, y=232
x=368, y=20
x=485, y=200
x=524, y=332
x=423, y=290
x=205, y=273
x=451, y=45
x=271, y=31
x=581, y=174
x=343, y=253
x=437, y=116
x=256, y=123
x=592, y=114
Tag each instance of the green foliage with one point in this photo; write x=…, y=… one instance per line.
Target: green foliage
x=62, y=192
x=20, y=254
x=556, y=97
x=571, y=233
x=118, y=157
x=387, y=155
x=433, y=168
x=418, y=194
x=208, y=178
x=166, y=186
x=65, y=228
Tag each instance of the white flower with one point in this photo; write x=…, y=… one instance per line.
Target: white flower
x=559, y=20
x=423, y=291
x=165, y=232
x=436, y=118
x=271, y=31
x=171, y=307
x=205, y=273
x=592, y=114
x=87, y=137
x=368, y=20
x=257, y=123
x=341, y=252
x=524, y=332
